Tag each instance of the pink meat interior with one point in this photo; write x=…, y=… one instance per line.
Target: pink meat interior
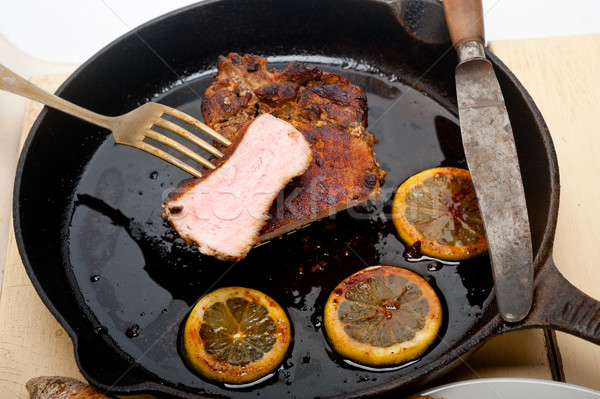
x=223, y=213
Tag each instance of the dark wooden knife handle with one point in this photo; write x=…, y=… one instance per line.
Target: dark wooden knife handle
x=465, y=21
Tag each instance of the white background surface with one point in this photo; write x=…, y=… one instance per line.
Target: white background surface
x=73, y=30
x=49, y=36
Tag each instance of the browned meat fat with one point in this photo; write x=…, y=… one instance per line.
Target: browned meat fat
x=223, y=212
x=330, y=112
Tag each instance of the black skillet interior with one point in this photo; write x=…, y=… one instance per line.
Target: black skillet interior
x=104, y=261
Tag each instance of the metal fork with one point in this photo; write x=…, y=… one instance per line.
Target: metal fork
x=133, y=128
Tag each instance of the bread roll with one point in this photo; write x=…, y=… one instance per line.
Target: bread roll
x=61, y=388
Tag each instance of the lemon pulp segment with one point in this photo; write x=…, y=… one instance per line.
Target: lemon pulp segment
x=438, y=207
x=236, y=335
x=382, y=315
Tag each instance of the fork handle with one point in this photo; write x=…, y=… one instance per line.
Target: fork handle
x=16, y=84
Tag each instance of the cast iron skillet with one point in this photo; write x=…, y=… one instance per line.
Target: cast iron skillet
x=88, y=218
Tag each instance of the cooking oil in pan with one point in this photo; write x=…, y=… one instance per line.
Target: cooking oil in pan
x=139, y=279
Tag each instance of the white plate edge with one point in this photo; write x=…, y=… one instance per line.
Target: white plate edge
x=492, y=381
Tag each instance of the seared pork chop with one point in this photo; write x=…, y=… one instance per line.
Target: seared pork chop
x=223, y=211
x=330, y=112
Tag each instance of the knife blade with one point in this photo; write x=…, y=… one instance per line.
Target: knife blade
x=491, y=156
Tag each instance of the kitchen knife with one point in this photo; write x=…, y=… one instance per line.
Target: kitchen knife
x=492, y=159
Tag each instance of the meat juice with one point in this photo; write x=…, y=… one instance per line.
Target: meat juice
x=136, y=275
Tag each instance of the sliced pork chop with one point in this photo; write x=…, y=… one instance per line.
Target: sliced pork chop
x=331, y=113
x=223, y=212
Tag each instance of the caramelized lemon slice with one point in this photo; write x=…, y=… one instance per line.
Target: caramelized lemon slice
x=236, y=335
x=382, y=316
x=438, y=208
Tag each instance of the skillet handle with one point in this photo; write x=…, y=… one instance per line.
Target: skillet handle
x=560, y=305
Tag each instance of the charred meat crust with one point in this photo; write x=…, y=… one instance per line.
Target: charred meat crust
x=328, y=109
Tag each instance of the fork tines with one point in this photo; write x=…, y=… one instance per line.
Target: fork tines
x=163, y=123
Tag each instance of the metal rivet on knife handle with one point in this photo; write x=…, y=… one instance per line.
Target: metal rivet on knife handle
x=492, y=159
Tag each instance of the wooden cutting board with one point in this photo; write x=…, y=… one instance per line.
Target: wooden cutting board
x=562, y=75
